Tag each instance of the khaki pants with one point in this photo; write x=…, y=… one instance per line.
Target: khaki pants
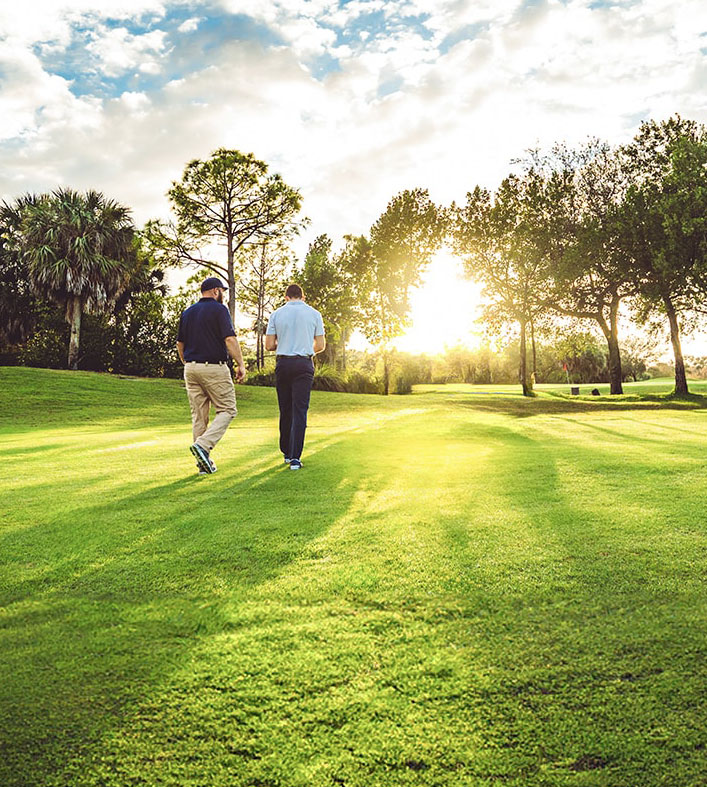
x=207, y=384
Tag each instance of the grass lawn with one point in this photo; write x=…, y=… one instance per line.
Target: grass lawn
x=461, y=587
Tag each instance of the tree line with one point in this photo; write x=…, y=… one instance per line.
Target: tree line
x=567, y=237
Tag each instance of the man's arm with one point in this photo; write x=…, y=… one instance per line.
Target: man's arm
x=180, y=350
x=319, y=340
x=270, y=342
x=234, y=350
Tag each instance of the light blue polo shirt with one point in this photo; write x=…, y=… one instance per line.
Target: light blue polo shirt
x=295, y=324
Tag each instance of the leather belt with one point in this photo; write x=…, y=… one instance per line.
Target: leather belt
x=213, y=363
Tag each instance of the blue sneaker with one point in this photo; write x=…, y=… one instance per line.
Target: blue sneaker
x=202, y=458
x=295, y=464
x=203, y=472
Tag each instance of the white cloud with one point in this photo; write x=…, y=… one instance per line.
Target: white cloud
x=135, y=101
x=190, y=25
x=52, y=20
x=449, y=120
x=32, y=100
x=305, y=36
x=118, y=50
x=343, y=16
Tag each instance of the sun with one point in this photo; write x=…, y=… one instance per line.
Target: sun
x=443, y=309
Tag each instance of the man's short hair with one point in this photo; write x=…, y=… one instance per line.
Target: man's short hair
x=294, y=291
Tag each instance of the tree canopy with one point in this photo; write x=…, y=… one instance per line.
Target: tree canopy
x=228, y=200
x=79, y=250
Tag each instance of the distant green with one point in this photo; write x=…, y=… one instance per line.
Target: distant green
x=461, y=587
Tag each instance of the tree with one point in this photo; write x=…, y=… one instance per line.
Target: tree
x=388, y=265
x=636, y=354
x=582, y=354
x=141, y=336
x=665, y=224
x=589, y=274
x=80, y=251
x=227, y=200
x=261, y=284
x=505, y=244
x=18, y=303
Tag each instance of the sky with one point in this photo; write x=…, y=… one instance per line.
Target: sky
x=351, y=101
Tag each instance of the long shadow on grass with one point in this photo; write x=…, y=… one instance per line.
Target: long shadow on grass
x=92, y=636
x=594, y=644
x=551, y=405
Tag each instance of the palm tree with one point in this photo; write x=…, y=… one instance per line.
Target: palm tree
x=80, y=251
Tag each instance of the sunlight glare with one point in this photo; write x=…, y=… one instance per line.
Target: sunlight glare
x=443, y=309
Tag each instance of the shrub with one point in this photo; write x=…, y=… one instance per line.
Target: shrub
x=46, y=348
x=359, y=382
x=403, y=385
x=266, y=377
x=327, y=378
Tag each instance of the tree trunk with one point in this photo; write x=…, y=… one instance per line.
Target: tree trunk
x=680, y=377
x=611, y=334
x=535, y=354
x=523, y=368
x=386, y=374
x=343, y=350
x=73, y=316
x=231, y=281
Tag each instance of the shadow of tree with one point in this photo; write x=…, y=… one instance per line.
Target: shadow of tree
x=551, y=405
x=584, y=613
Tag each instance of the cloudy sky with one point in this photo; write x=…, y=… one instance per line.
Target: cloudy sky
x=350, y=100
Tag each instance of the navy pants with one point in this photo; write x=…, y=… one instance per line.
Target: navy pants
x=294, y=375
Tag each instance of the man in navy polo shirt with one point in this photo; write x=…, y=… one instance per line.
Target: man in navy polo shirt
x=296, y=332
x=205, y=341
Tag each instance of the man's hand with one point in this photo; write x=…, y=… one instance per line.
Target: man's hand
x=234, y=350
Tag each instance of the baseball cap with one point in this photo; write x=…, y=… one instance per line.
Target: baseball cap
x=211, y=282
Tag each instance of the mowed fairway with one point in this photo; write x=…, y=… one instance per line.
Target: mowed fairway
x=459, y=588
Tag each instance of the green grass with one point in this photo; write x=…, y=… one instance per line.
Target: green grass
x=461, y=587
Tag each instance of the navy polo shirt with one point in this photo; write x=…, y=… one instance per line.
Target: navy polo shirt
x=203, y=328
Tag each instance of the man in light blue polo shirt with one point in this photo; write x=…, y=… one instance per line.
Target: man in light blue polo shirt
x=296, y=332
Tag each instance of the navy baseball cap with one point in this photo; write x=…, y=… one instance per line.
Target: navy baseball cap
x=211, y=283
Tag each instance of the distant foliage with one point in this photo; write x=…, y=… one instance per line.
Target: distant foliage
x=359, y=382
x=568, y=241
x=403, y=385
x=265, y=377
x=139, y=340
x=327, y=378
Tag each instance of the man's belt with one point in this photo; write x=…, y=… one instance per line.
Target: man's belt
x=209, y=362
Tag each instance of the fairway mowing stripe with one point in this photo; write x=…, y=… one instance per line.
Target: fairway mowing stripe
x=126, y=446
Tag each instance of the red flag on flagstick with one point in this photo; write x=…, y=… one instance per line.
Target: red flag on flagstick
x=564, y=367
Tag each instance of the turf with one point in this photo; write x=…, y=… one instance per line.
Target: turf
x=461, y=587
